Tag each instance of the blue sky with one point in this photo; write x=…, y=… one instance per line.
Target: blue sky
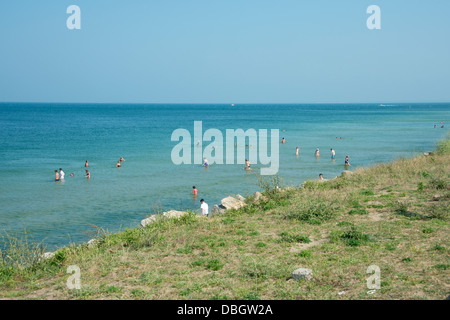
x=225, y=51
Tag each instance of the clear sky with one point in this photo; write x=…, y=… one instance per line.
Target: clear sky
x=225, y=51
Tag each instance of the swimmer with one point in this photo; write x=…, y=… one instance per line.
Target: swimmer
x=296, y=151
x=88, y=174
x=317, y=153
x=61, y=174
x=118, y=164
x=194, y=191
x=56, y=176
x=71, y=175
x=122, y=159
x=247, y=164
x=86, y=164
x=333, y=153
x=346, y=161
x=283, y=140
x=205, y=162
x=321, y=177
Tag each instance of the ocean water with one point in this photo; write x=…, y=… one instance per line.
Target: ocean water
x=36, y=139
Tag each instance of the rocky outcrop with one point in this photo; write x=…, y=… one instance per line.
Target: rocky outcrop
x=167, y=214
x=232, y=203
x=48, y=255
x=218, y=209
x=302, y=274
x=92, y=243
x=346, y=173
x=257, y=195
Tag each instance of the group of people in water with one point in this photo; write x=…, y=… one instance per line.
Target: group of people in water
x=317, y=154
x=59, y=175
x=442, y=125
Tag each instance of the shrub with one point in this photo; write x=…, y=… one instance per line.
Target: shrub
x=214, y=264
x=289, y=237
x=366, y=192
x=353, y=237
x=440, y=211
x=427, y=230
x=438, y=184
x=360, y=211
x=304, y=254
x=420, y=186
x=443, y=146
x=311, y=211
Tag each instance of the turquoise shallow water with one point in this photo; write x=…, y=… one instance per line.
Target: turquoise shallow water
x=36, y=139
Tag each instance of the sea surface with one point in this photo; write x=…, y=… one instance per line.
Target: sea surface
x=36, y=139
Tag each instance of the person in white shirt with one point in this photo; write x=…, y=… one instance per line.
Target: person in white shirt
x=204, y=207
x=61, y=174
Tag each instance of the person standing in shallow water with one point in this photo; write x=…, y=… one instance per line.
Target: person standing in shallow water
x=86, y=164
x=347, y=163
x=333, y=154
x=61, y=174
x=88, y=174
x=56, y=176
x=194, y=191
x=247, y=164
x=204, y=207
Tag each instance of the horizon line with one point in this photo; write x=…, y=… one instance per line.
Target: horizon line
x=225, y=103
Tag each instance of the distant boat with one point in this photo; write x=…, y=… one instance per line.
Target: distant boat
x=232, y=104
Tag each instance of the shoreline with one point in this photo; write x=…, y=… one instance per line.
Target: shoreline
x=313, y=242
x=235, y=202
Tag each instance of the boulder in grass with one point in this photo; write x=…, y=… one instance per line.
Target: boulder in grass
x=346, y=173
x=48, y=255
x=232, y=203
x=174, y=214
x=147, y=221
x=302, y=274
x=218, y=209
x=257, y=195
x=167, y=214
x=92, y=243
x=239, y=197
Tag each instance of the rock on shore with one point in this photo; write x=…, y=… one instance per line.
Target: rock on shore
x=232, y=203
x=218, y=209
x=167, y=214
x=302, y=274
